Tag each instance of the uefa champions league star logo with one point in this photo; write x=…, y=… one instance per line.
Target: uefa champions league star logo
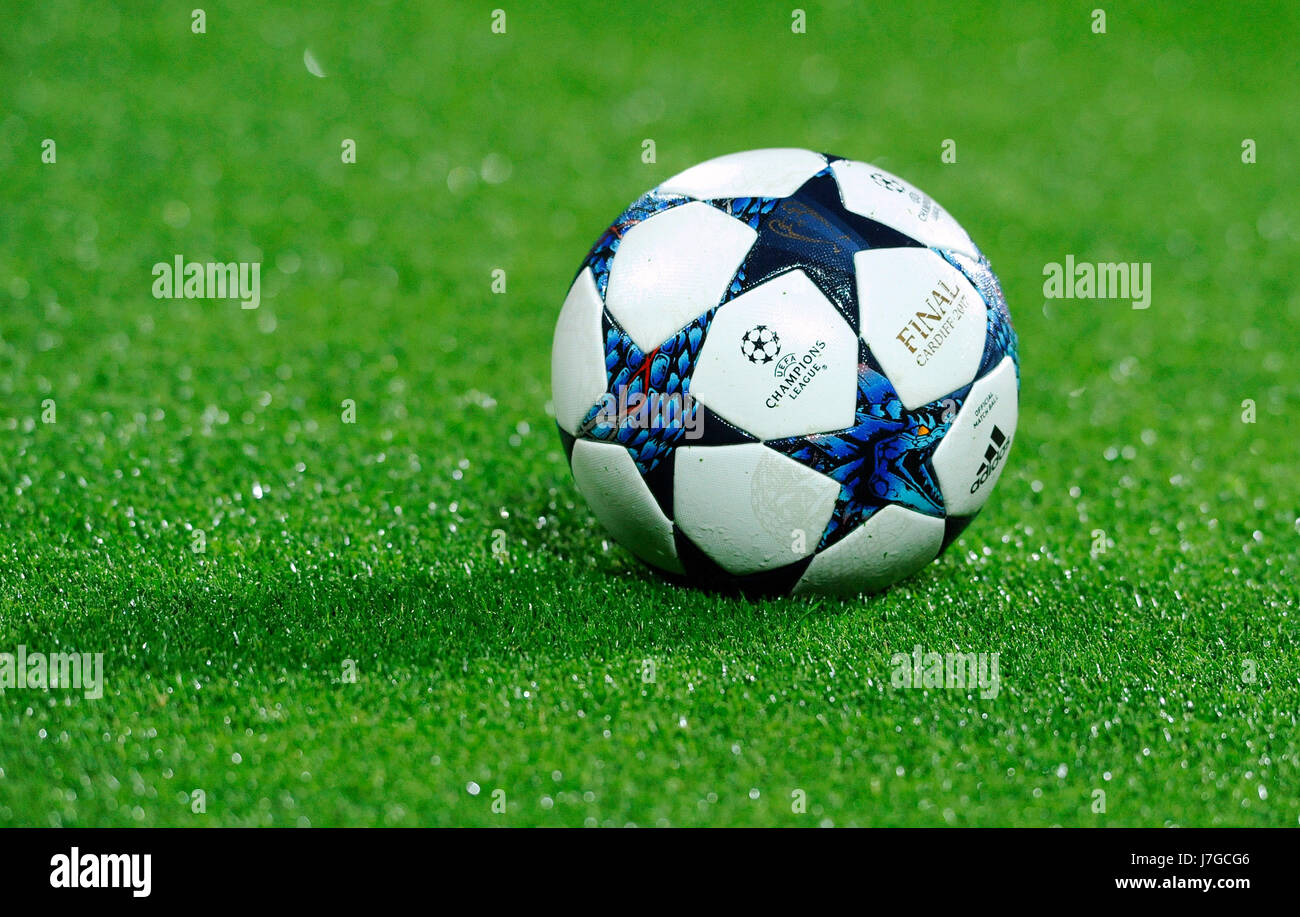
x=760, y=344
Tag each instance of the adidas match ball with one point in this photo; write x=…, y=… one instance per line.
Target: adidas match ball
x=785, y=371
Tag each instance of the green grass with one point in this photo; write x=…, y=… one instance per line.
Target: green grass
x=372, y=541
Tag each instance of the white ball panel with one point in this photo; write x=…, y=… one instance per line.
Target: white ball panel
x=745, y=506
x=608, y=479
x=893, y=544
x=673, y=267
x=922, y=319
x=756, y=173
x=779, y=361
x=888, y=199
x=578, y=377
x=970, y=459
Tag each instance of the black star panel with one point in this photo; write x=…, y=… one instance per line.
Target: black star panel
x=703, y=571
x=811, y=231
x=953, y=526
x=567, y=440
x=712, y=430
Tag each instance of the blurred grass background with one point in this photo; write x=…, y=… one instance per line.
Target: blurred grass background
x=372, y=541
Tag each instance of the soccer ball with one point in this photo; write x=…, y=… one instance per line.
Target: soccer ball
x=785, y=371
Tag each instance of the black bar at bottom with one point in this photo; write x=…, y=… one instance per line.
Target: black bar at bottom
x=332, y=866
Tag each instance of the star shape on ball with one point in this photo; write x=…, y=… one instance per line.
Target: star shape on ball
x=883, y=459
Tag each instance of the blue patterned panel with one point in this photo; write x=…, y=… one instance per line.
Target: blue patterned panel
x=664, y=373
x=884, y=458
x=1001, y=340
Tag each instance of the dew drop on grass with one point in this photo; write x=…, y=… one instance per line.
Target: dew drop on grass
x=313, y=66
x=460, y=180
x=495, y=169
x=176, y=214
